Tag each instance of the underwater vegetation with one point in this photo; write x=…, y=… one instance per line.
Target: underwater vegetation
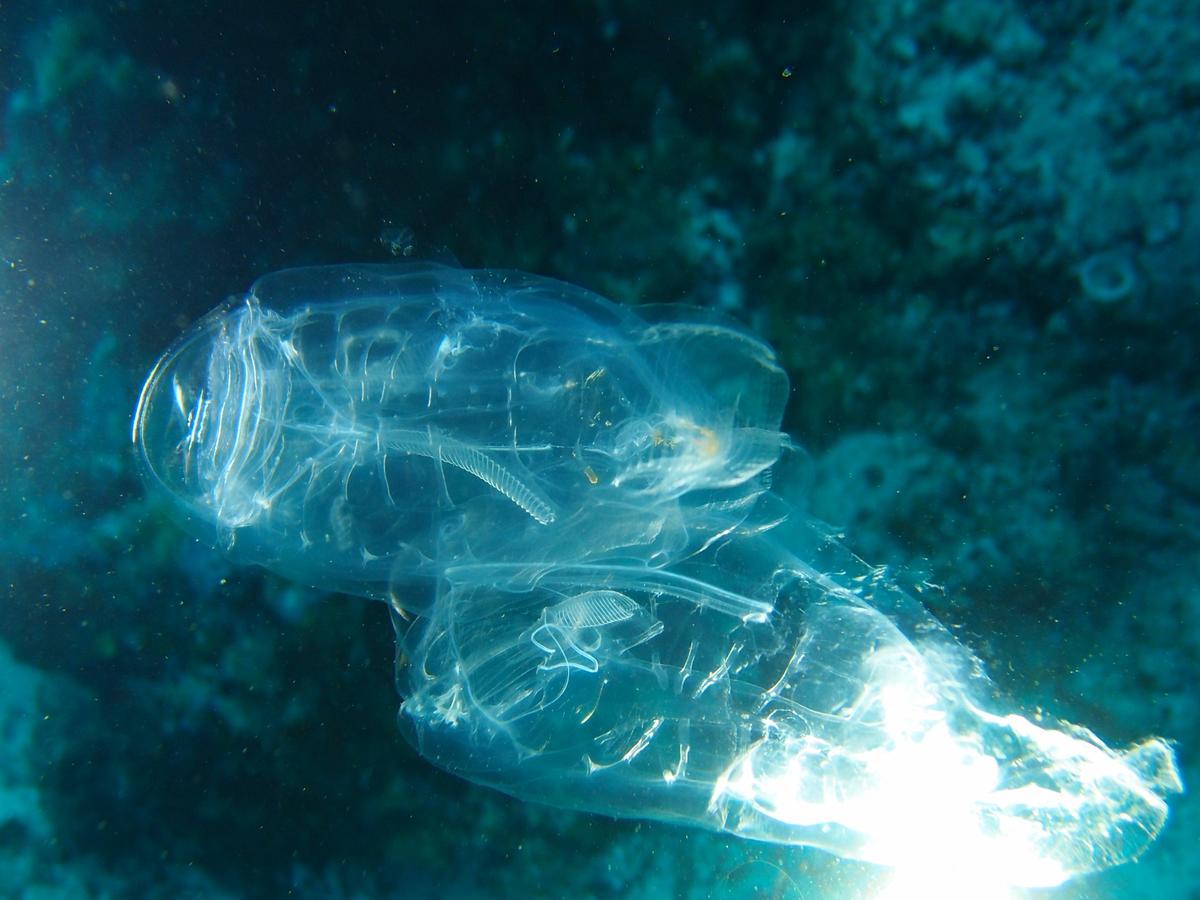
x=599, y=602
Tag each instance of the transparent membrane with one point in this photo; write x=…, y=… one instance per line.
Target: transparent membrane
x=599, y=602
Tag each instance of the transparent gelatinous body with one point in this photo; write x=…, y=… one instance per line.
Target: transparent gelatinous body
x=344, y=425
x=599, y=603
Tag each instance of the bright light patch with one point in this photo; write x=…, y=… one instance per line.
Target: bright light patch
x=941, y=883
x=961, y=802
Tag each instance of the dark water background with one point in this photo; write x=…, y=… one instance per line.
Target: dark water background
x=971, y=229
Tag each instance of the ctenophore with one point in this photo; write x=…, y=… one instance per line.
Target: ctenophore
x=599, y=602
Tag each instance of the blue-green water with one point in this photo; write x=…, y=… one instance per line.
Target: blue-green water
x=969, y=231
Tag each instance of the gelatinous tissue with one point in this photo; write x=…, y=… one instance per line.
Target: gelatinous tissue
x=599, y=602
